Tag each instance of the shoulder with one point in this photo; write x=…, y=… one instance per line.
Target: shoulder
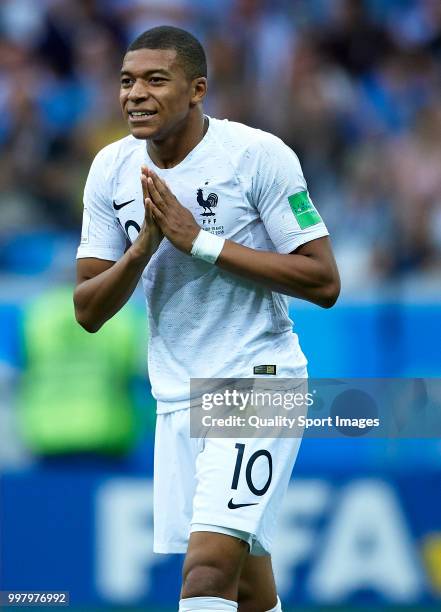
x=113, y=155
x=246, y=143
x=106, y=167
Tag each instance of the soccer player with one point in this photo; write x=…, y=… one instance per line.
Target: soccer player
x=221, y=229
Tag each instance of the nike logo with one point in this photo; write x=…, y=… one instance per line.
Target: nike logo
x=118, y=206
x=233, y=506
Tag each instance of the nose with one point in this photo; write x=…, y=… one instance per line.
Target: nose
x=138, y=91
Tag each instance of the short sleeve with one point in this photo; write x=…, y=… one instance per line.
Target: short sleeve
x=281, y=196
x=101, y=235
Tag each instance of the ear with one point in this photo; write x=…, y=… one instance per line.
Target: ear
x=198, y=90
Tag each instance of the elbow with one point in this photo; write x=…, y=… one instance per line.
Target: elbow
x=91, y=328
x=329, y=294
x=86, y=324
x=83, y=319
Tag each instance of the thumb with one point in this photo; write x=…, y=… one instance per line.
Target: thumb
x=148, y=211
x=145, y=189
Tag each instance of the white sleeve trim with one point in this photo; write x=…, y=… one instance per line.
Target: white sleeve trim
x=302, y=238
x=84, y=252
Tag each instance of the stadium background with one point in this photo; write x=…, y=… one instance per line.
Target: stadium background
x=354, y=87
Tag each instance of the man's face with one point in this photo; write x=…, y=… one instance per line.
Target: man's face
x=155, y=93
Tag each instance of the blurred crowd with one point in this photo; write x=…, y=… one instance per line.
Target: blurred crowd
x=353, y=86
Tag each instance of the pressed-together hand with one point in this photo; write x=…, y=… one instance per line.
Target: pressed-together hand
x=175, y=221
x=150, y=234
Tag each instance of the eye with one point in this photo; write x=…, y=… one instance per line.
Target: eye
x=157, y=80
x=126, y=82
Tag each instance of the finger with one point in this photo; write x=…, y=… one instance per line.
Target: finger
x=145, y=188
x=160, y=185
x=144, y=177
x=145, y=195
x=154, y=194
x=157, y=214
x=148, y=211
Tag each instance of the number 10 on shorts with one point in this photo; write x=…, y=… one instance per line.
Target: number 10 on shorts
x=249, y=470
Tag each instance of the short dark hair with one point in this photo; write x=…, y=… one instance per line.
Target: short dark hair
x=188, y=49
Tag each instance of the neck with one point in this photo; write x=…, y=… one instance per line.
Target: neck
x=173, y=148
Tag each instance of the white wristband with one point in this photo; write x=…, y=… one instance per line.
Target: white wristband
x=207, y=246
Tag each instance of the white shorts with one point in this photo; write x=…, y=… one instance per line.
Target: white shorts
x=226, y=485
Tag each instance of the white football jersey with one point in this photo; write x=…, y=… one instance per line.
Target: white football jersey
x=240, y=183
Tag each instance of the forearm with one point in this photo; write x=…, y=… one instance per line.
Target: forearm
x=99, y=298
x=297, y=275
x=310, y=273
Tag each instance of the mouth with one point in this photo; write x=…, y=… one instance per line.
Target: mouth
x=140, y=116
